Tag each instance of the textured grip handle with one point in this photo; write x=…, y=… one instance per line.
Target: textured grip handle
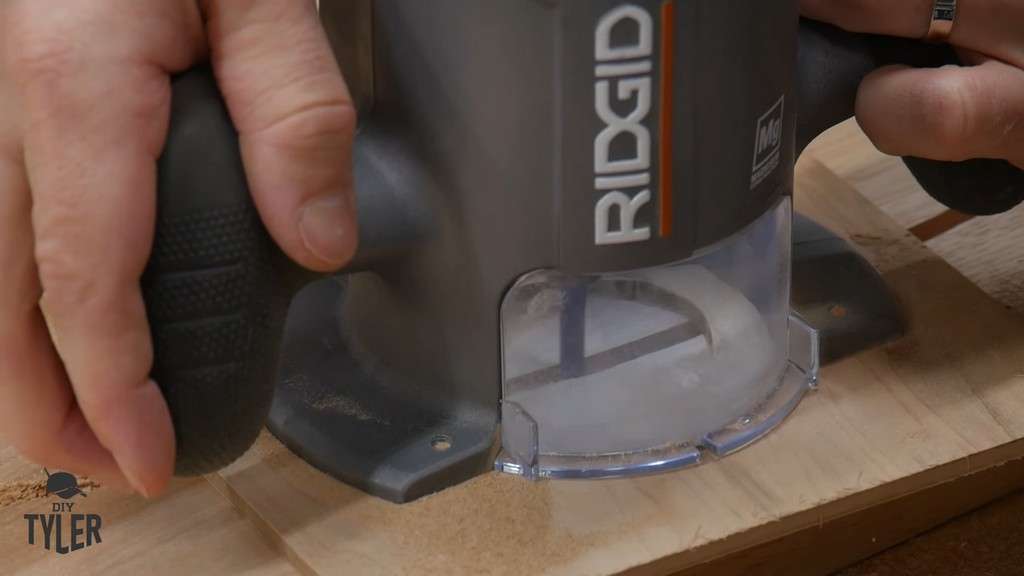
x=217, y=288
x=832, y=65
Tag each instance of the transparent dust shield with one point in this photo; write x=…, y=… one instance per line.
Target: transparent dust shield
x=645, y=371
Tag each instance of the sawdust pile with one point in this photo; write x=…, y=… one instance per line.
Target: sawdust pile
x=21, y=492
x=25, y=491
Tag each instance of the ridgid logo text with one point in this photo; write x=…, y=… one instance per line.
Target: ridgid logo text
x=624, y=166
x=61, y=529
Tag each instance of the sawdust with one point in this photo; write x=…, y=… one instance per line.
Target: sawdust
x=348, y=407
x=324, y=401
x=546, y=302
x=501, y=523
x=449, y=532
x=888, y=253
x=16, y=492
x=21, y=492
x=503, y=509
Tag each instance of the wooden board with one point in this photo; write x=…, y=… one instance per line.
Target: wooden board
x=190, y=530
x=983, y=541
x=882, y=179
x=946, y=401
x=989, y=251
x=932, y=416
x=840, y=541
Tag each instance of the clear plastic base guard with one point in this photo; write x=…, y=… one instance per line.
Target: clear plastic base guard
x=800, y=375
x=646, y=371
x=521, y=455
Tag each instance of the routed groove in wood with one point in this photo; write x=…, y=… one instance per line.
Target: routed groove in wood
x=938, y=225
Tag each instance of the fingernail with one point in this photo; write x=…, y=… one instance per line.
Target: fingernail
x=326, y=227
x=135, y=482
x=113, y=481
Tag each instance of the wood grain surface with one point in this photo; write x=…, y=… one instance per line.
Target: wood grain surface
x=944, y=402
x=882, y=179
x=191, y=530
x=940, y=412
x=989, y=251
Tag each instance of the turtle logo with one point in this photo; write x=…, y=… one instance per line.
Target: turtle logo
x=63, y=485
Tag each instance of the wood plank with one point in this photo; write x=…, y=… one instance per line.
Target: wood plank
x=190, y=530
x=984, y=541
x=945, y=401
x=839, y=542
x=989, y=251
x=880, y=178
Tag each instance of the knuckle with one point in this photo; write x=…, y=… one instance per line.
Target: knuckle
x=37, y=53
x=947, y=110
x=315, y=106
x=41, y=61
x=311, y=122
x=64, y=279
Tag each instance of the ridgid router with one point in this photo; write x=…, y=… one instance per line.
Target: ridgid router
x=578, y=251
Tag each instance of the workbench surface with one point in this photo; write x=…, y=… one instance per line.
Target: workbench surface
x=897, y=440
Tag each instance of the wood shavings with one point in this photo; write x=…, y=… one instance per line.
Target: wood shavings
x=16, y=492
x=21, y=492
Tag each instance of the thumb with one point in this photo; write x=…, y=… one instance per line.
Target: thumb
x=950, y=113
x=295, y=120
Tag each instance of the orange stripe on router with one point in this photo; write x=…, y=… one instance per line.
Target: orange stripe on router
x=668, y=40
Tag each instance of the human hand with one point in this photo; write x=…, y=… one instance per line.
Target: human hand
x=84, y=106
x=951, y=113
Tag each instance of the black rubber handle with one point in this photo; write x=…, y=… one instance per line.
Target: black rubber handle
x=832, y=65
x=217, y=288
